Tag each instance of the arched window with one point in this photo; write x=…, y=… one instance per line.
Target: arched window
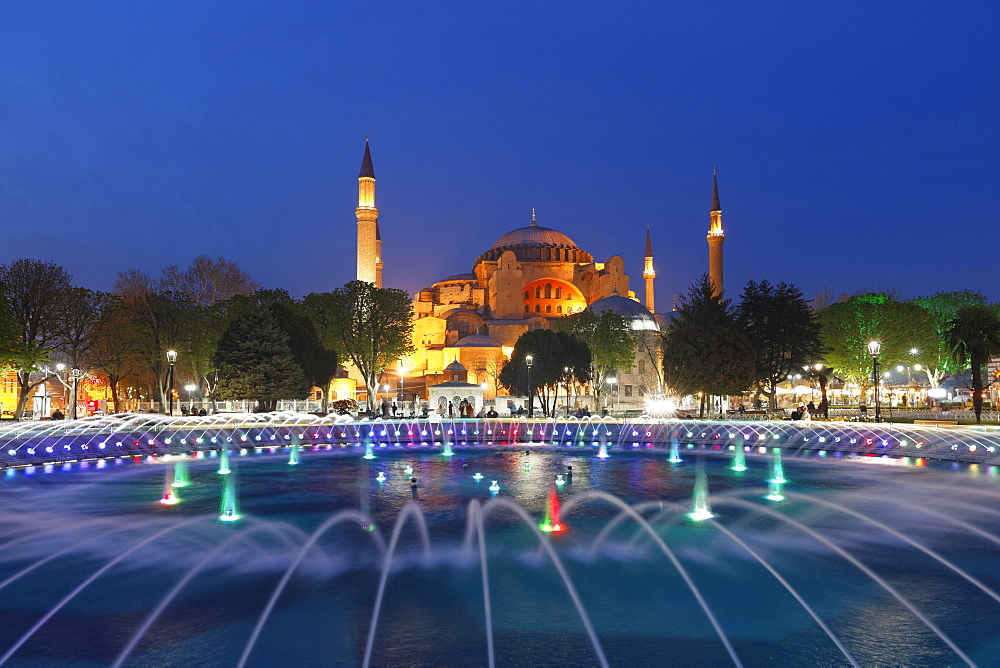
x=559, y=309
x=538, y=308
x=558, y=292
x=548, y=291
x=548, y=308
x=527, y=295
x=538, y=292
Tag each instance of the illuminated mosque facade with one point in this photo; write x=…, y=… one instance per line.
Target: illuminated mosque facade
x=526, y=280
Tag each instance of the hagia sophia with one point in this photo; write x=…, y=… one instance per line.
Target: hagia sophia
x=466, y=324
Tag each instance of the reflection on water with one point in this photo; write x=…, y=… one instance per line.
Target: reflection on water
x=62, y=526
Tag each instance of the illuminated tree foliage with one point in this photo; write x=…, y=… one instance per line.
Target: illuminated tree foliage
x=936, y=357
x=847, y=327
x=973, y=335
x=371, y=327
x=609, y=338
x=35, y=290
x=553, y=353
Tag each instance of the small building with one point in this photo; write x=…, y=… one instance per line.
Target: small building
x=454, y=390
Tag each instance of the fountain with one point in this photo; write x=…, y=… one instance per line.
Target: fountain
x=169, y=497
x=701, y=508
x=552, y=523
x=739, y=461
x=830, y=562
x=229, y=508
x=777, y=470
x=447, y=450
x=181, y=476
x=675, y=450
x=368, y=451
x=224, y=462
x=602, y=451
x=293, y=455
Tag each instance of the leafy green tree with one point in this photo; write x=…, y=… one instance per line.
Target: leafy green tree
x=372, y=327
x=702, y=349
x=782, y=330
x=609, y=338
x=35, y=291
x=318, y=364
x=255, y=361
x=973, y=335
x=318, y=307
x=935, y=355
x=552, y=353
x=847, y=327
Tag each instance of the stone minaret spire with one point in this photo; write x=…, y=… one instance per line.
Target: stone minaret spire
x=649, y=274
x=369, y=242
x=715, y=238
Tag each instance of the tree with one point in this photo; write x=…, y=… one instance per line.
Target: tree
x=115, y=345
x=973, y=335
x=35, y=290
x=256, y=363
x=781, y=328
x=552, y=354
x=371, y=327
x=703, y=352
x=207, y=281
x=609, y=338
x=78, y=314
x=847, y=327
x=160, y=318
x=319, y=308
x=317, y=363
x=10, y=346
x=935, y=355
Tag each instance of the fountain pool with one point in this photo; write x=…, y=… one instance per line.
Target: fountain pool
x=342, y=559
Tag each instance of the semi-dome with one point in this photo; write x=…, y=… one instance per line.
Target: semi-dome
x=477, y=341
x=638, y=315
x=534, y=243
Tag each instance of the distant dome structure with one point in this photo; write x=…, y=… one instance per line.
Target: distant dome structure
x=534, y=243
x=477, y=341
x=639, y=317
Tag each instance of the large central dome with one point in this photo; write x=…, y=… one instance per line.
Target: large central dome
x=534, y=243
x=533, y=235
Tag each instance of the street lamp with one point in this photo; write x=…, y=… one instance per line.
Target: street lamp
x=75, y=374
x=402, y=373
x=529, y=360
x=612, y=381
x=190, y=389
x=171, y=358
x=874, y=347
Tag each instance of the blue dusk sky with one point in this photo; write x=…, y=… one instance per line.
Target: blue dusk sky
x=856, y=143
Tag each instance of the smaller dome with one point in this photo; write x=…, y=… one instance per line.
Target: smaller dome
x=455, y=366
x=459, y=278
x=638, y=315
x=477, y=341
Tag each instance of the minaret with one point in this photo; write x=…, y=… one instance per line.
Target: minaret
x=715, y=238
x=369, y=251
x=649, y=274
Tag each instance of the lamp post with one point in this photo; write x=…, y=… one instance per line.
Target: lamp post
x=402, y=373
x=529, y=360
x=874, y=347
x=612, y=381
x=190, y=389
x=171, y=358
x=75, y=374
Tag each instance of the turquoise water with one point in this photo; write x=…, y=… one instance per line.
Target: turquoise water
x=639, y=605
